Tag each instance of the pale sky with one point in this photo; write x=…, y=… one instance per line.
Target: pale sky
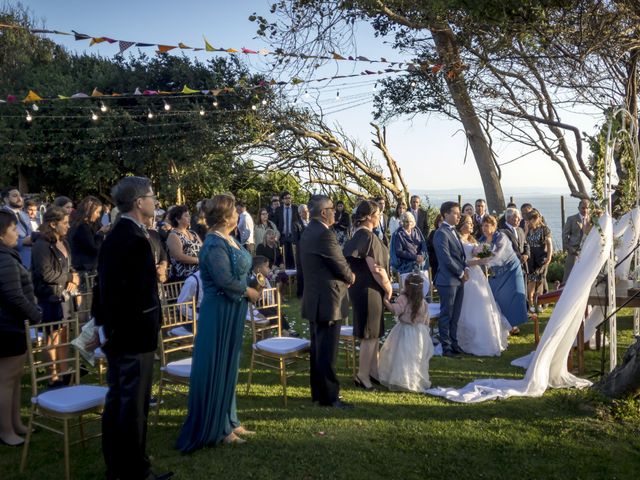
x=427, y=147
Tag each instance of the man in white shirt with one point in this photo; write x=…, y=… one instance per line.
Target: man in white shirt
x=245, y=228
x=191, y=288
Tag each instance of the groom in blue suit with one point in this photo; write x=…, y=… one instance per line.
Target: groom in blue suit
x=451, y=275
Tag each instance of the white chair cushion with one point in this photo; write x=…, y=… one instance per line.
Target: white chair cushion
x=179, y=368
x=346, y=331
x=99, y=353
x=395, y=287
x=434, y=310
x=282, y=345
x=76, y=398
x=291, y=272
x=36, y=337
x=179, y=332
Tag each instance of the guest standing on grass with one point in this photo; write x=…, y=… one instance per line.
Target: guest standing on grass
x=369, y=260
x=86, y=234
x=17, y=304
x=212, y=416
x=127, y=306
x=324, y=300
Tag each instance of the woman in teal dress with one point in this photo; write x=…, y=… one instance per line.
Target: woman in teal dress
x=224, y=266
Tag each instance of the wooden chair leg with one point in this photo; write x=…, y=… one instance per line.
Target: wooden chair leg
x=81, y=428
x=536, y=328
x=283, y=379
x=353, y=356
x=570, y=360
x=253, y=353
x=27, y=441
x=67, y=466
x=159, y=401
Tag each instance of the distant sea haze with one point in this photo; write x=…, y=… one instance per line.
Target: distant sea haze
x=546, y=202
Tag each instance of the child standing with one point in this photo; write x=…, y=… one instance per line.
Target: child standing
x=405, y=355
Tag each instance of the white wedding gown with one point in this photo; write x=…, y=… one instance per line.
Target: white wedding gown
x=548, y=367
x=482, y=329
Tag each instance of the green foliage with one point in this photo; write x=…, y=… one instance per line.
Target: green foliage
x=555, y=271
x=63, y=151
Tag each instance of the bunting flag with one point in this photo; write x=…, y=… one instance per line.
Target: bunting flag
x=207, y=45
x=165, y=48
x=32, y=97
x=189, y=90
x=183, y=46
x=140, y=44
x=231, y=50
x=246, y=50
x=97, y=93
x=95, y=40
x=337, y=56
x=124, y=45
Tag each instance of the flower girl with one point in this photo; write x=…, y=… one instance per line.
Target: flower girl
x=405, y=355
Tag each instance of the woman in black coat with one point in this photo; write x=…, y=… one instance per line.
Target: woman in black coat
x=86, y=234
x=54, y=281
x=17, y=304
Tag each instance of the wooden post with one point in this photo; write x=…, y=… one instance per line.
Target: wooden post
x=460, y=200
x=562, y=214
x=511, y=199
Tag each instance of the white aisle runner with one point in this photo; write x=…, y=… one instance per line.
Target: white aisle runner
x=548, y=367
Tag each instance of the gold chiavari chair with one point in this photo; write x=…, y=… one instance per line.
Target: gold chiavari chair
x=281, y=354
x=347, y=343
x=177, y=335
x=171, y=291
x=50, y=408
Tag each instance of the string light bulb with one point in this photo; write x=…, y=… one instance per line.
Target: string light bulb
x=264, y=102
x=150, y=115
x=202, y=112
x=215, y=103
x=167, y=107
x=338, y=96
x=35, y=107
x=253, y=107
x=413, y=84
x=94, y=117
x=28, y=118
x=103, y=107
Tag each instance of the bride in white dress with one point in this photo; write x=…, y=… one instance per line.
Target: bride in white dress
x=482, y=329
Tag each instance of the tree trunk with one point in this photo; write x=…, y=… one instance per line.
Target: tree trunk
x=446, y=47
x=624, y=380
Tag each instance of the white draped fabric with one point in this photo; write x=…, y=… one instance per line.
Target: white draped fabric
x=548, y=367
x=627, y=230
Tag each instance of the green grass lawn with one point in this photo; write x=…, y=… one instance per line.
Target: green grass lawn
x=565, y=434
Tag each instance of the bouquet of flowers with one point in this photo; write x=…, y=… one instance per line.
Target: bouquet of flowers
x=484, y=250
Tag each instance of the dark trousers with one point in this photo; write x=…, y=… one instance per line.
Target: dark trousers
x=124, y=420
x=450, y=305
x=287, y=246
x=325, y=387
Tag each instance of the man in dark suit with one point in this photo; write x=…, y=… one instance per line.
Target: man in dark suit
x=382, y=230
x=128, y=309
x=420, y=214
x=324, y=301
x=299, y=227
x=452, y=273
x=478, y=217
x=516, y=234
x=286, y=217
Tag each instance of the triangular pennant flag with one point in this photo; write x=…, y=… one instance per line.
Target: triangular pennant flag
x=110, y=40
x=207, y=45
x=182, y=45
x=189, y=90
x=165, y=48
x=363, y=59
x=124, y=45
x=215, y=92
x=32, y=97
x=11, y=99
x=137, y=92
x=116, y=94
x=80, y=36
x=150, y=92
x=369, y=72
x=263, y=51
x=162, y=92
x=140, y=44
x=246, y=50
x=337, y=56
x=231, y=50
x=436, y=68
x=80, y=95
x=296, y=81
x=205, y=92
x=350, y=58
x=62, y=97
x=198, y=49
x=95, y=40
x=97, y=93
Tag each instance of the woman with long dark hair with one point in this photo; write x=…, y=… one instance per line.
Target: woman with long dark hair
x=86, y=234
x=368, y=258
x=54, y=280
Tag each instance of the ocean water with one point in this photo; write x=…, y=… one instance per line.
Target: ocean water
x=549, y=204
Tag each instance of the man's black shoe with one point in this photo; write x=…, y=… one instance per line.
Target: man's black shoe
x=159, y=476
x=450, y=354
x=339, y=404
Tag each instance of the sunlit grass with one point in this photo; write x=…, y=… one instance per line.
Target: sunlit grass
x=564, y=434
